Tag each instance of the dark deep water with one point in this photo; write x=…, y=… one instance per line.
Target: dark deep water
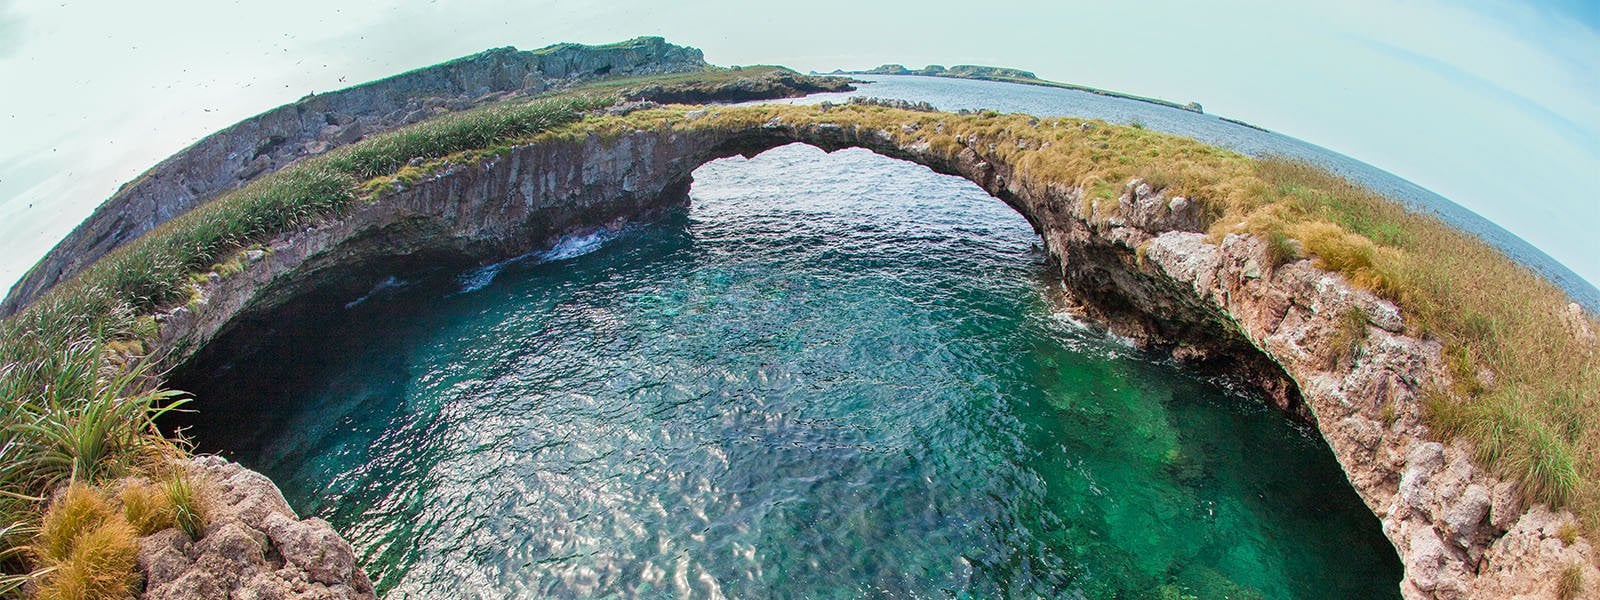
x=831, y=376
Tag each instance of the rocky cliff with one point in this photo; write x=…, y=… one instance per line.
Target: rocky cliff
x=268, y=141
x=1460, y=532
x=1317, y=346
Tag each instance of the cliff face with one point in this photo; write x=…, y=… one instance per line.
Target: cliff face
x=1143, y=268
x=1461, y=532
x=314, y=124
x=1321, y=349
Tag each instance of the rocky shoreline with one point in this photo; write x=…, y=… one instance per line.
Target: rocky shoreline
x=1140, y=266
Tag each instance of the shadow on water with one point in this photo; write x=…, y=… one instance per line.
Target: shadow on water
x=833, y=376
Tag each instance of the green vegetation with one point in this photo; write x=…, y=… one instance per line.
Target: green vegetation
x=641, y=42
x=86, y=438
x=103, y=302
x=150, y=507
x=1351, y=331
x=79, y=411
x=77, y=417
x=188, y=508
x=1526, y=389
x=485, y=127
x=1570, y=583
x=14, y=551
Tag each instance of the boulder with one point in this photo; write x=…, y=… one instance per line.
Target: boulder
x=164, y=557
x=314, y=547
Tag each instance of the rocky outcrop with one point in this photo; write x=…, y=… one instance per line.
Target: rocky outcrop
x=1143, y=268
x=963, y=71
x=318, y=122
x=758, y=84
x=1460, y=531
x=253, y=547
x=1009, y=75
x=1320, y=348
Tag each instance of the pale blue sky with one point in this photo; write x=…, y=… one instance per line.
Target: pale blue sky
x=1495, y=105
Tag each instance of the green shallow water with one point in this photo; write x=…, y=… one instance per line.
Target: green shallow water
x=832, y=376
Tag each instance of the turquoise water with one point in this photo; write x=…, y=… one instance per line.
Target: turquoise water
x=832, y=376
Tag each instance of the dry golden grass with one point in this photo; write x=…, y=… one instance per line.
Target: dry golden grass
x=103, y=565
x=1526, y=387
x=147, y=506
x=78, y=510
x=89, y=549
x=1351, y=331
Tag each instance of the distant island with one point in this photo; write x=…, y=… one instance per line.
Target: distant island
x=1009, y=75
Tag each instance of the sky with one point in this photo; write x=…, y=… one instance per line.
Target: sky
x=1492, y=104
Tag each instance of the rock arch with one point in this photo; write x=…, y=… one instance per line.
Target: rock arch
x=1143, y=267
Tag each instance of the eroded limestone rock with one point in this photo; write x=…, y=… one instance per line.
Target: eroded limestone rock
x=253, y=546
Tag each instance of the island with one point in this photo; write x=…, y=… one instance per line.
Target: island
x=1010, y=75
x=1454, y=426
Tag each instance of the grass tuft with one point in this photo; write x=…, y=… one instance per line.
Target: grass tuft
x=79, y=510
x=1360, y=260
x=1570, y=583
x=1511, y=439
x=102, y=564
x=1567, y=533
x=86, y=546
x=188, y=504
x=1548, y=462
x=1350, y=330
x=90, y=437
x=147, y=506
